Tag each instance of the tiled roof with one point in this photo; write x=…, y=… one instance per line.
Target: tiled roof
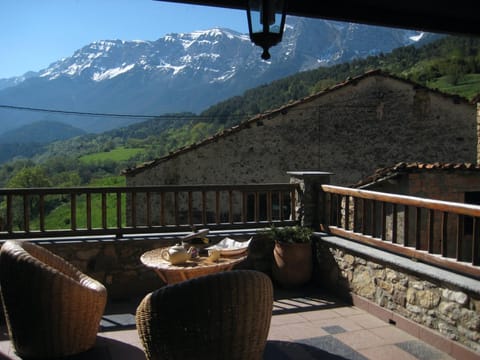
x=282, y=110
x=476, y=99
x=405, y=168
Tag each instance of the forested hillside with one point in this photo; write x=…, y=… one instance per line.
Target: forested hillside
x=451, y=64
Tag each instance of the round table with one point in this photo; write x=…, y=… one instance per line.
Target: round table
x=198, y=266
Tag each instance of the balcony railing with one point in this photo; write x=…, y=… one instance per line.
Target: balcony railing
x=443, y=233
x=30, y=213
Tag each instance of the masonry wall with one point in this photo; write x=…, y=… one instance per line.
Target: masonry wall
x=440, y=184
x=116, y=262
x=478, y=132
x=444, y=185
x=448, y=186
x=443, y=307
x=351, y=131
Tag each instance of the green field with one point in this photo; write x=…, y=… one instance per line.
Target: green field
x=117, y=155
x=59, y=218
x=467, y=86
x=108, y=181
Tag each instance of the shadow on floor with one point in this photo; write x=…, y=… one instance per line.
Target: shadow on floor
x=120, y=315
x=115, y=349
x=306, y=298
x=274, y=350
x=285, y=350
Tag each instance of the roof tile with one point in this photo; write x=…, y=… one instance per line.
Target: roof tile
x=403, y=167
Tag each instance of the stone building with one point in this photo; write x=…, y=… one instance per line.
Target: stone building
x=454, y=182
x=350, y=129
x=457, y=182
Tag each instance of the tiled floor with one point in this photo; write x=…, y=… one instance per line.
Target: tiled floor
x=321, y=327
x=304, y=327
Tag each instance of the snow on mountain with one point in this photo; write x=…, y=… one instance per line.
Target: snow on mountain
x=417, y=37
x=13, y=81
x=101, y=60
x=172, y=54
x=186, y=71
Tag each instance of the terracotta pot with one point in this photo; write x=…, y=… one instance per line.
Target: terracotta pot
x=292, y=264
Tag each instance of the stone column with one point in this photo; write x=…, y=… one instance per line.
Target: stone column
x=310, y=197
x=478, y=130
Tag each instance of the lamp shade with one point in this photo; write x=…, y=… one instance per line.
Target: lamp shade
x=266, y=20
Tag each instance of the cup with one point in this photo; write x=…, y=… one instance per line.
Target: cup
x=213, y=254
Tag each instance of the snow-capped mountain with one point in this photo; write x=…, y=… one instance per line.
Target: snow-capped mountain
x=182, y=72
x=9, y=82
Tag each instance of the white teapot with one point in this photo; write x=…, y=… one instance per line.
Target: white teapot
x=175, y=254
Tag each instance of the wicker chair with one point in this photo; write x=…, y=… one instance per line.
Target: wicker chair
x=51, y=308
x=216, y=317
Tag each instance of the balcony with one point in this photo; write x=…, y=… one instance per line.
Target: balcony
x=305, y=325
x=375, y=253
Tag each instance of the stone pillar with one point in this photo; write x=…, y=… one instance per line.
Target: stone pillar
x=310, y=196
x=478, y=130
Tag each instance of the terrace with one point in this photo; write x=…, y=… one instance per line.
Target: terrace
x=393, y=275
x=369, y=247
x=308, y=325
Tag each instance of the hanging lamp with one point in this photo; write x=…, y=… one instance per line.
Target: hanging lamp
x=266, y=21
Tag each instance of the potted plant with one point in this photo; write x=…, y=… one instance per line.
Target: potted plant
x=292, y=255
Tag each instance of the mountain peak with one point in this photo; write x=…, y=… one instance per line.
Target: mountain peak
x=218, y=32
x=187, y=71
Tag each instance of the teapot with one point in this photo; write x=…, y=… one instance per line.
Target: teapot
x=175, y=254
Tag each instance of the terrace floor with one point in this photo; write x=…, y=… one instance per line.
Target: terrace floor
x=306, y=324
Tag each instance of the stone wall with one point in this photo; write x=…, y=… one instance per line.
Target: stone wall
x=116, y=262
x=449, y=308
x=478, y=130
x=441, y=184
x=371, y=122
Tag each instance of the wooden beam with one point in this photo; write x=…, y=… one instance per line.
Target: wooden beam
x=439, y=17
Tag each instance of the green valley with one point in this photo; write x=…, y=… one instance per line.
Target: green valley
x=450, y=64
x=117, y=155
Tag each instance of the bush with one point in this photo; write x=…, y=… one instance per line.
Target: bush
x=290, y=234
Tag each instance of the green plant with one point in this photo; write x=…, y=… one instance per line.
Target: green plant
x=290, y=234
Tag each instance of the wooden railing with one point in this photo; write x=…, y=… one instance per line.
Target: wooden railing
x=30, y=213
x=443, y=233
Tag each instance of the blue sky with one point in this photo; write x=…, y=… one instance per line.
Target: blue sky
x=35, y=33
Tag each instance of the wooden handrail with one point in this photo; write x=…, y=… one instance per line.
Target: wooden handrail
x=433, y=231
x=142, y=209
x=163, y=188
x=439, y=205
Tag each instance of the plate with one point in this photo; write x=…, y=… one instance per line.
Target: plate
x=231, y=247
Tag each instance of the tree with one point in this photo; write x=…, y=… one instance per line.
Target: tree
x=28, y=177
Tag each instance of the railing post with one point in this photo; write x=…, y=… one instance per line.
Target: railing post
x=309, y=205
